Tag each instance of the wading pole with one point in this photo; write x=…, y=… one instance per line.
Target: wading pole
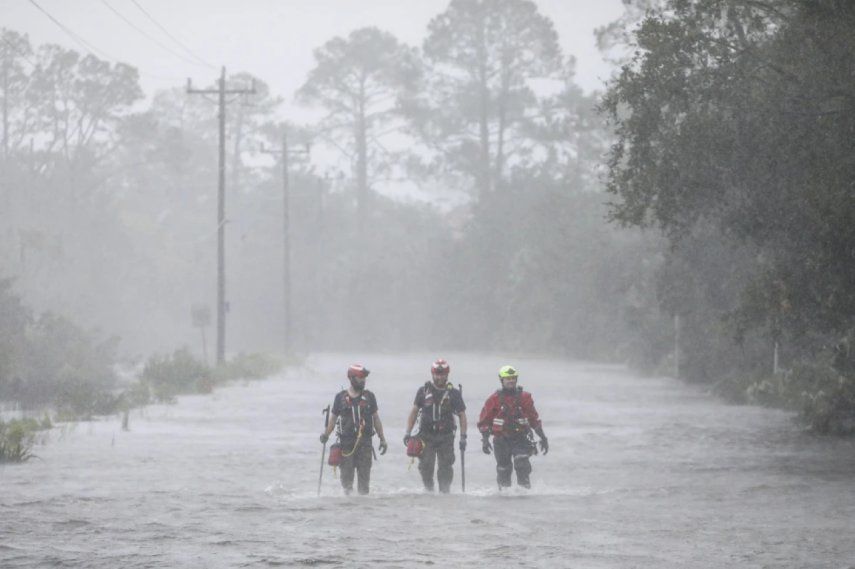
x=462, y=454
x=326, y=414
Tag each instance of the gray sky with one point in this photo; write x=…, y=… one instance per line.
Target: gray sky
x=270, y=39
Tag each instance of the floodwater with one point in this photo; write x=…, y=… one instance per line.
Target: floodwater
x=642, y=472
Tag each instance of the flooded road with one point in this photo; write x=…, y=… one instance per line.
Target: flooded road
x=641, y=473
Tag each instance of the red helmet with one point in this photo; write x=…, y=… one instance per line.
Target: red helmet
x=357, y=370
x=440, y=367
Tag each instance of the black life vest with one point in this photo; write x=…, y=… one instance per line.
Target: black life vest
x=355, y=416
x=437, y=415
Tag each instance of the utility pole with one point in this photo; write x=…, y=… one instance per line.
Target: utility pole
x=287, y=315
x=221, y=93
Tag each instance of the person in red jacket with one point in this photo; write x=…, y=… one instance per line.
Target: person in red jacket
x=509, y=415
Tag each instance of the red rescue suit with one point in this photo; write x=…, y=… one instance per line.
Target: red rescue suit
x=508, y=413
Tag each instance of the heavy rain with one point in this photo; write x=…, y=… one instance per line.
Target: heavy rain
x=453, y=283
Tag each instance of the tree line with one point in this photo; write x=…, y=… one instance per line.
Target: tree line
x=734, y=122
x=722, y=146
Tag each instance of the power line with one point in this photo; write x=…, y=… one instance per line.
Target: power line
x=82, y=42
x=147, y=35
x=173, y=38
x=91, y=48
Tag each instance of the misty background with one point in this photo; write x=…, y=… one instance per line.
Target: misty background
x=502, y=176
x=110, y=184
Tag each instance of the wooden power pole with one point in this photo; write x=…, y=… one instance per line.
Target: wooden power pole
x=221, y=93
x=287, y=315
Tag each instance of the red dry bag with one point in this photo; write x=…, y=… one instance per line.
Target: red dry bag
x=415, y=446
x=335, y=455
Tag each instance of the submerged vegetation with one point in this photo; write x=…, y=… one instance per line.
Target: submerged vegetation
x=17, y=438
x=166, y=376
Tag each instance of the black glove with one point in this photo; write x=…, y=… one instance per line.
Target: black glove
x=544, y=445
x=406, y=440
x=485, y=444
x=324, y=438
x=462, y=443
x=383, y=446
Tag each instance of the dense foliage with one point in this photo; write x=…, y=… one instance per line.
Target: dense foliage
x=736, y=124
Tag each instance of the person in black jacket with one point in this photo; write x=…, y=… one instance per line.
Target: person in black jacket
x=356, y=413
x=437, y=403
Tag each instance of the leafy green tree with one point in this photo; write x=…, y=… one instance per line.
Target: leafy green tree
x=733, y=118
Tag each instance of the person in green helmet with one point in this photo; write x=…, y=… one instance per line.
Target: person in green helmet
x=510, y=417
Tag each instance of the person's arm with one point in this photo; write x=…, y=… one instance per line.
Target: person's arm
x=331, y=424
x=535, y=423
x=461, y=417
x=411, y=422
x=485, y=422
x=530, y=412
x=333, y=417
x=378, y=428
x=464, y=425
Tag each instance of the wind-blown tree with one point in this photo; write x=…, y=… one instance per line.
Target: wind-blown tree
x=80, y=102
x=15, y=58
x=359, y=81
x=737, y=114
x=482, y=56
x=568, y=137
x=65, y=128
x=616, y=40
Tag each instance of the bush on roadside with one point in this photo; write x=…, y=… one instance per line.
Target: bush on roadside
x=826, y=397
x=17, y=438
x=247, y=366
x=172, y=375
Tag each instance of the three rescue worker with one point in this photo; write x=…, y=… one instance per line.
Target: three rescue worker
x=355, y=412
x=508, y=415
x=436, y=404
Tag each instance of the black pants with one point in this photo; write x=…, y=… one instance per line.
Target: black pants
x=512, y=453
x=439, y=452
x=358, y=462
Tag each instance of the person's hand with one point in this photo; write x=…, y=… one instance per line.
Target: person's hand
x=324, y=438
x=462, y=443
x=406, y=439
x=485, y=445
x=544, y=445
x=383, y=446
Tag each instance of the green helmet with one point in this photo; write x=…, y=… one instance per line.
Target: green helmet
x=507, y=371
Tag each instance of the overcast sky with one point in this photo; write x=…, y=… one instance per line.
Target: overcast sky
x=270, y=39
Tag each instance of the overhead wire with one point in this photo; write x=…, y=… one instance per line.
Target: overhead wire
x=148, y=36
x=173, y=38
x=82, y=42
x=91, y=48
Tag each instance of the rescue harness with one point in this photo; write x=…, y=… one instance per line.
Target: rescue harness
x=510, y=420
